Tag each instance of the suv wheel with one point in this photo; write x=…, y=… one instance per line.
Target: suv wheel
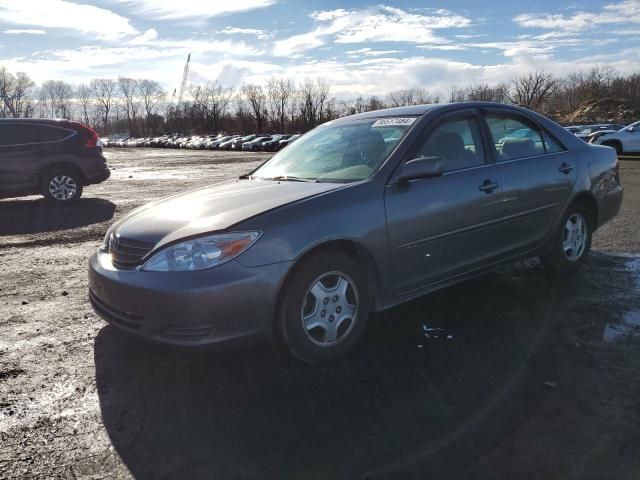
x=573, y=241
x=62, y=186
x=324, y=308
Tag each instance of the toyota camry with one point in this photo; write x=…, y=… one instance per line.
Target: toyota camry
x=358, y=215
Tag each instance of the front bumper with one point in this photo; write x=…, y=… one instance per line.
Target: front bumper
x=227, y=303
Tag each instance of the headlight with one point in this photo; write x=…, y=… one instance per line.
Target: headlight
x=200, y=253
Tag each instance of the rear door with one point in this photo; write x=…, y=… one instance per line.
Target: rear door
x=18, y=154
x=440, y=227
x=25, y=148
x=536, y=172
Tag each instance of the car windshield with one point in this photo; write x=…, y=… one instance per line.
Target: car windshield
x=343, y=152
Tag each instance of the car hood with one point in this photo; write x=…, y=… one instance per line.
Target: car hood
x=212, y=208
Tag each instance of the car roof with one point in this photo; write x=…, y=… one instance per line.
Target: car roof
x=50, y=121
x=416, y=110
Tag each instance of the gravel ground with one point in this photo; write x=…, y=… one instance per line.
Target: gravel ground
x=513, y=375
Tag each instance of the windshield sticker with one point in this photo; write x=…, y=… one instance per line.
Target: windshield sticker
x=393, y=122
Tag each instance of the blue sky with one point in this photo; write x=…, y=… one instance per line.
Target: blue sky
x=360, y=47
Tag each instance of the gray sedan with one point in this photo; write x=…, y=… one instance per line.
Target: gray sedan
x=358, y=215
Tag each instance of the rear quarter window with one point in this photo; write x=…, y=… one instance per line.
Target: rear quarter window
x=30, y=133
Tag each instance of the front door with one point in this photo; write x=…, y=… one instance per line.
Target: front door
x=442, y=226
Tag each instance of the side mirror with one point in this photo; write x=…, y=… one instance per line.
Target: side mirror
x=421, y=167
x=631, y=129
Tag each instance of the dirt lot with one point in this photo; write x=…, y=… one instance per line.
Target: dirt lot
x=514, y=375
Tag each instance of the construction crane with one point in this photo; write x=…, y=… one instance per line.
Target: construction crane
x=185, y=76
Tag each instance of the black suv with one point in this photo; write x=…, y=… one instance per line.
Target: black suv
x=55, y=158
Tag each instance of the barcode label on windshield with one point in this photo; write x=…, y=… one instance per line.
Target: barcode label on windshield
x=393, y=122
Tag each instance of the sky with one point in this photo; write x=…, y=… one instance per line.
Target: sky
x=361, y=48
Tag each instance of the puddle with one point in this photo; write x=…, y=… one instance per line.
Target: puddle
x=633, y=266
x=630, y=325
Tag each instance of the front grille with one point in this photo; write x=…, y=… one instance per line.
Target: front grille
x=114, y=315
x=128, y=253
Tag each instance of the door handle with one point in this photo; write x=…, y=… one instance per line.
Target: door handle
x=488, y=186
x=565, y=167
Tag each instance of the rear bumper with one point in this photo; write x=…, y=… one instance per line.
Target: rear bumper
x=609, y=205
x=98, y=176
x=219, y=305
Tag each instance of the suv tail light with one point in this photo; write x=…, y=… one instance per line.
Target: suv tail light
x=90, y=134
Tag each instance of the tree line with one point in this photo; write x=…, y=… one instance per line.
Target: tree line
x=141, y=107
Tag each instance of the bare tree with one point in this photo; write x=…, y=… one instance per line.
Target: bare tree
x=85, y=97
x=15, y=94
x=257, y=100
x=129, y=90
x=104, y=89
x=533, y=89
x=280, y=92
x=57, y=97
x=213, y=99
x=152, y=94
x=410, y=96
x=483, y=92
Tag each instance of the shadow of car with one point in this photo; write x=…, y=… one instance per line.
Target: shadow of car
x=38, y=215
x=410, y=398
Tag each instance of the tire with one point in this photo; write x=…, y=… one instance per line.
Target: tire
x=317, y=322
x=569, y=253
x=615, y=145
x=62, y=185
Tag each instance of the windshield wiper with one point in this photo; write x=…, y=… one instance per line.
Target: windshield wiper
x=287, y=178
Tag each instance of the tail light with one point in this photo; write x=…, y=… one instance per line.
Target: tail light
x=91, y=135
x=92, y=140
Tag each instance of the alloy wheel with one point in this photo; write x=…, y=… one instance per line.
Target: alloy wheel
x=62, y=187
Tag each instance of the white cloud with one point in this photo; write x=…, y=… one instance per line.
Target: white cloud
x=627, y=11
x=370, y=52
x=61, y=14
x=261, y=34
x=381, y=24
x=25, y=32
x=192, y=9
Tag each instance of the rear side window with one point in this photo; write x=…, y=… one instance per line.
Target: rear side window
x=30, y=133
x=514, y=137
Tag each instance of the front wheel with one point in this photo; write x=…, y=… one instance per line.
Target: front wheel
x=325, y=307
x=62, y=186
x=573, y=241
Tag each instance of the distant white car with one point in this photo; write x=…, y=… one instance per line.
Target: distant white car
x=626, y=140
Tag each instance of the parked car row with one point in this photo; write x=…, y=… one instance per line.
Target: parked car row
x=254, y=142
x=624, y=139
x=589, y=133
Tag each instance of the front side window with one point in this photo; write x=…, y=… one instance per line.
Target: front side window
x=514, y=137
x=342, y=152
x=457, y=142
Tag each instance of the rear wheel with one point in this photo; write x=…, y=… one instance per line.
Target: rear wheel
x=62, y=186
x=573, y=241
x=325, y=307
